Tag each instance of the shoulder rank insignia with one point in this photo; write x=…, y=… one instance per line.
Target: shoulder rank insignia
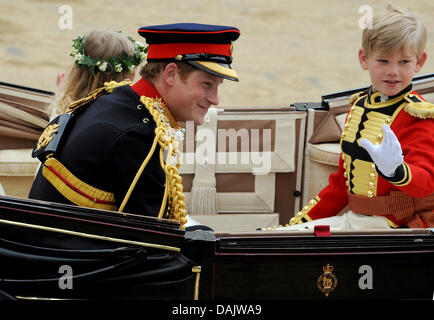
x=327, y=282
x=418, y=107
x=47, y=136
x=50, y=139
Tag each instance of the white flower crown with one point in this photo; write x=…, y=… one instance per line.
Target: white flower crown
x=113, y=64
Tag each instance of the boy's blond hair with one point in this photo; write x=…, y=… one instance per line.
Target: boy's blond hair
x=79, y=81
x=395, y=29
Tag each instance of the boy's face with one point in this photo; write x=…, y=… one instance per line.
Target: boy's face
x=190, y=98
x=391, y=72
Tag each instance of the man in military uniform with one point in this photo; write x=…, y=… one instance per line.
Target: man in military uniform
x=116, y=152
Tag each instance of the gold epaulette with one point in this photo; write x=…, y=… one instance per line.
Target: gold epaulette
x=108, y=88
x=419, y=108
x=356, y=97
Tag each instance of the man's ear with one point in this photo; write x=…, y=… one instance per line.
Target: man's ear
x=363, y=59
x=169, y=73
x=421, y=61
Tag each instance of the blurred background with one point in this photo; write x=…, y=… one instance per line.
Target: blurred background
x=289, y=51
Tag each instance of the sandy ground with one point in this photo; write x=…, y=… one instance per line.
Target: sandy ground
x=289, y=51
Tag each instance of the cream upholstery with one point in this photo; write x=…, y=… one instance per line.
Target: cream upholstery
x=17, y=169
x=254, y=179
x=321, y=160
x=238, y=222
x=2, y=191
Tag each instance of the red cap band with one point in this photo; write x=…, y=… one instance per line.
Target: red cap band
x=170, y=50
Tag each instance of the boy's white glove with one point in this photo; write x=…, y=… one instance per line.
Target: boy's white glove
x=388, y=155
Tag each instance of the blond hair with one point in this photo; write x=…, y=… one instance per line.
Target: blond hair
x=79, y=81
x=395, y=29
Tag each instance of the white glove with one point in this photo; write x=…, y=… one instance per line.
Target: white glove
x=388, y=155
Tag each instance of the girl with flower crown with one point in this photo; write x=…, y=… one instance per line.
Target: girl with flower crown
x=101, y=56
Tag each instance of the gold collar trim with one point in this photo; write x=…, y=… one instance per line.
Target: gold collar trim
x=387, y=103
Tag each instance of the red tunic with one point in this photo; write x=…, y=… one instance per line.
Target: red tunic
x=411, y=119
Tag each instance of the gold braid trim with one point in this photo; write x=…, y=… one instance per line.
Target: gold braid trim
x=75, y=190
x=304, y=213
x=301, y=216
x=165, y=137
x=108, y=88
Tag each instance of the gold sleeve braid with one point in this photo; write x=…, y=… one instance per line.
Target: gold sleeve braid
x=164, y=136
x=300, y=217
x=303, y=215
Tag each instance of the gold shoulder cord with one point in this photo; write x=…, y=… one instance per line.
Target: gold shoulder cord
x=108, y=88
x=165, y=137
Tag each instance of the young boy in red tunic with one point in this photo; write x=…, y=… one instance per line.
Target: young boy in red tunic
x=386, y=168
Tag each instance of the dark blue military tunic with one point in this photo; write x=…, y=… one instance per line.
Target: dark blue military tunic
x=107, y=143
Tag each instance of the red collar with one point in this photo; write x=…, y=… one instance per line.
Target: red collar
x=145, y=88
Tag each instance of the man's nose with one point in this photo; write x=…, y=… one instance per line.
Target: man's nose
x=213, y=96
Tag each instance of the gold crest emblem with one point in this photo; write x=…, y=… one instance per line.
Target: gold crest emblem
x=47, y=136
x=327, y=282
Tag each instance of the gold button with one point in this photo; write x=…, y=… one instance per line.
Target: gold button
x=371, y=185
x=145, y=120
x=370, y=194
x=178, y=57
x=379, y=136
x=347, y=183
x=388, y=120
x=353, y=108
x=372, y=176
x=139, y=107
